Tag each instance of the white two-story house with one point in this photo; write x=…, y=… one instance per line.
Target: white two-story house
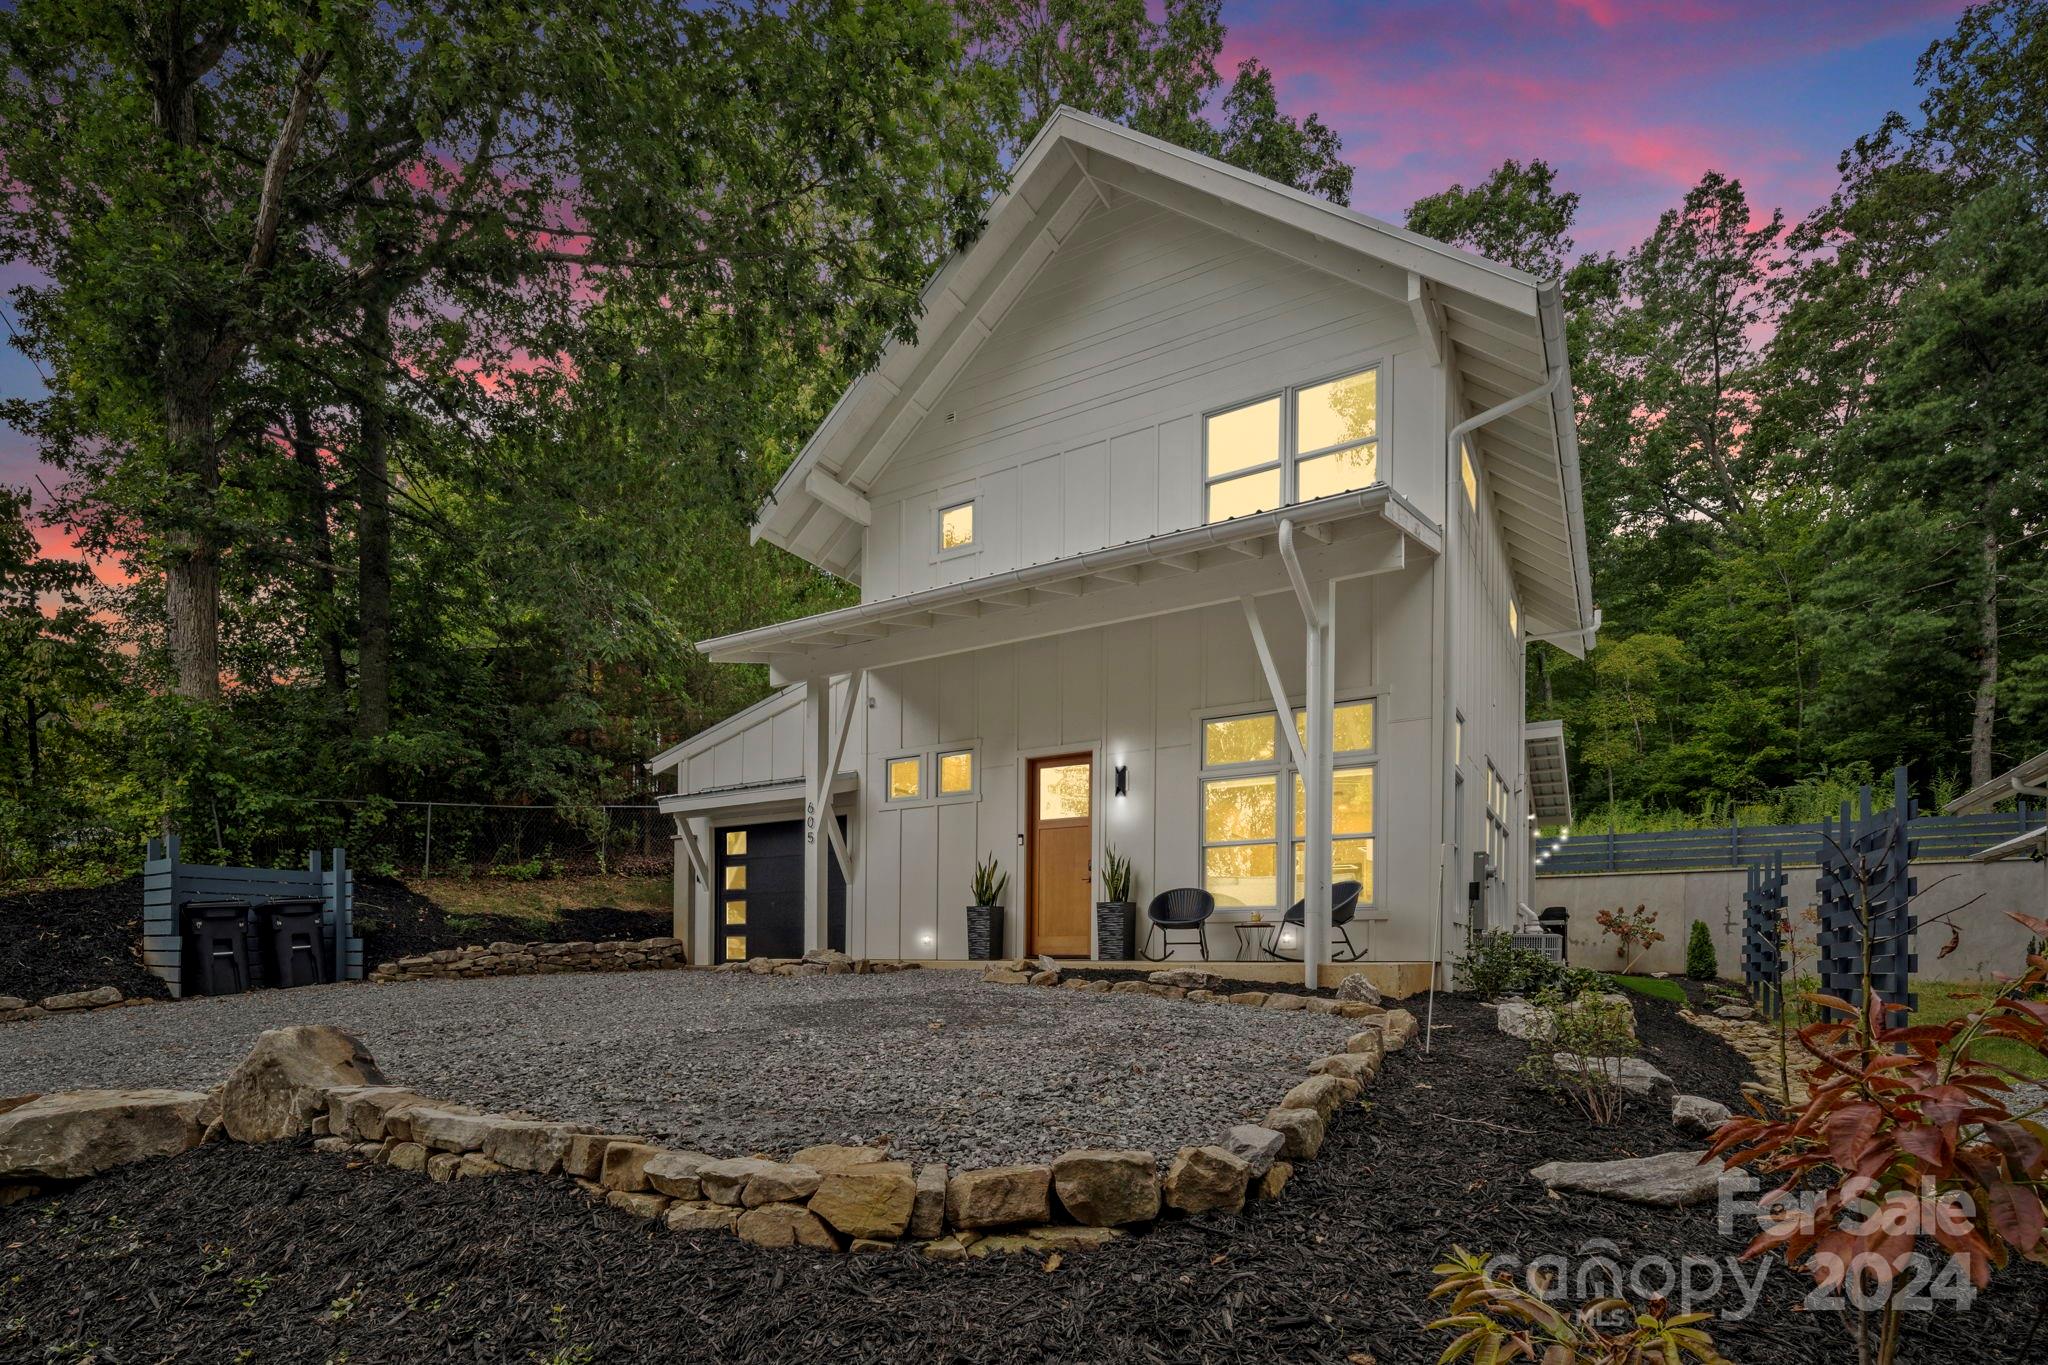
x=1205, y=521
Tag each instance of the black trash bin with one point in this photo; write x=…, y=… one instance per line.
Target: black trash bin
x=1554, y=919
x=216, y=958
x=293, y=949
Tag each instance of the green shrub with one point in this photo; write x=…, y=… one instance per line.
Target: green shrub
x=1592, y=1027
x=1494, y=967
x=1700, y=962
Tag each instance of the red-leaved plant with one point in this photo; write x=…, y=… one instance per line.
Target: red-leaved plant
x=1908, y=1132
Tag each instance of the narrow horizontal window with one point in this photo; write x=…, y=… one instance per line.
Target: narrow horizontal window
x=1238, y=739
x=1350, y=727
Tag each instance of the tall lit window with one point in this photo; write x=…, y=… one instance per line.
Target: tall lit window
x=1306, y=443
x=1250, y=792
x=1467, y=477
x=956, y=526
x=1514, y=619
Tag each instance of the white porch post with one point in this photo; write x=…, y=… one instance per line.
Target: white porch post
x=1315, y=782
x=817, y=808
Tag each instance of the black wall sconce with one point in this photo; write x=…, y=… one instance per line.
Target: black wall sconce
x=1123, y=780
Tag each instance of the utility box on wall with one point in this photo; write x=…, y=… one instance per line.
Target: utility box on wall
x=170, y=885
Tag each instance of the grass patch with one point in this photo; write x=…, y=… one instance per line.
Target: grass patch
x=1941, y=1001
x=1652, y=987
x=540, y=900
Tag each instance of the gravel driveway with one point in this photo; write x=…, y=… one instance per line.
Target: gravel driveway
x=945, y=1067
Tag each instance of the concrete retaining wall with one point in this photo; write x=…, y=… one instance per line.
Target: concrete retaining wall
x=1990, y=942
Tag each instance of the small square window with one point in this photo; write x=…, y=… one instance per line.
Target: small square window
x=906, y=778
x=735, y=947
x=956, y=527
x=956, y=773
x=736, y=877
x=736, y=914
x=736, y=843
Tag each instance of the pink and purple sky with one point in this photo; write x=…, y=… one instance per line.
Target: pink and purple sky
x=1630, y=99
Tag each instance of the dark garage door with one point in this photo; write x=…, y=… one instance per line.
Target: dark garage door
x=759, y=909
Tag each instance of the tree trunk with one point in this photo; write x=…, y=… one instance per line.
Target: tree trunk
x=373, y=529
x=1985, y=713
x=323, y=612
x=191, y=559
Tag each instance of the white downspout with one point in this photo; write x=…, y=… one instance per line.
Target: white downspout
x=1452, y=441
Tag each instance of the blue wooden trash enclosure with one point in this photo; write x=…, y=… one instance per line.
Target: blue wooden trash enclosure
x=168, y=883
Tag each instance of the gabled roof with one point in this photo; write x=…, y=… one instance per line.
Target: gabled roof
x=1501, y=329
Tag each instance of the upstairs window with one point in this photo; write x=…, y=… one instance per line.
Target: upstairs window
x=956, y=527
x=1467, y=477
x=1300, y=445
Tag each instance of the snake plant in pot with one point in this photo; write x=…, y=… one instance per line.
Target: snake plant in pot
x=1116, y=914
x=985, y=916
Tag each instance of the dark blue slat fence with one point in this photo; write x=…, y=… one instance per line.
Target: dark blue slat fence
x=1936, y=838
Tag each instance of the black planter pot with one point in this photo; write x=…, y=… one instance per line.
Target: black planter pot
x=1116, y=931
x=984, y=932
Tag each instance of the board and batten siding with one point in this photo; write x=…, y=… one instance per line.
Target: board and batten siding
x=1077, y=425
x=1133, y=694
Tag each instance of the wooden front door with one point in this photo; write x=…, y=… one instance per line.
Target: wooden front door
x=1059, y=801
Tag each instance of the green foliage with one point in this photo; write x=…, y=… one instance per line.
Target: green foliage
x=1499, y=1320
x=1493, y=967
x=989, y=882
x=1592, y=1027
x=1700, y=962
x=1516, y=216
x=1114, y=59
x=1116, y=876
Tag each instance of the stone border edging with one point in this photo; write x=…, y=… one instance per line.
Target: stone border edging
x=13, y=1007
x=535, y=959
x=319, y=1081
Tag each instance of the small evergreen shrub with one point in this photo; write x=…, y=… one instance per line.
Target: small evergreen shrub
x=1700, y=963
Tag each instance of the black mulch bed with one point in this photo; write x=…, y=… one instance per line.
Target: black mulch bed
x=57, y=941
x=295, y=1257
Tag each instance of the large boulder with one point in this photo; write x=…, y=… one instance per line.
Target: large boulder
x=1517, y=1018
x=283, y=1082
x=999, y=1195
x=1668, y=1180
x=1358, y=988
x=76, y=1133
x=1631, y=1074
x=1698, y=1114
x=873, y=1200
x=1207, y=1179
x=1104, y=1187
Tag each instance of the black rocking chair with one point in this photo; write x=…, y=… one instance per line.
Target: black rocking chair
x=1343, y=905
x=1177, y=911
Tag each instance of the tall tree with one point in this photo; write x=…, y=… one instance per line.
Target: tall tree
x=1516, y=216
x=1156, y=75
